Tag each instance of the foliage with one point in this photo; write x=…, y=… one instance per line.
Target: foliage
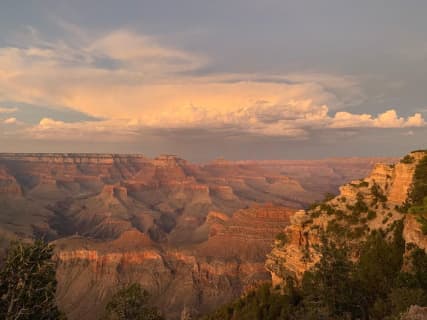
x=371, y=215
x=359, y=207
x=28, y=284
x=404, y=207
x=328, y=209
x=378, y=194
x=326, y=288
x=418, y=190
x=334, y=228
x=418, y=194
x=408, y=159
x=282, y=238
x=419, y=267
x=130, y=303
x=362, y=184
x=374, y=287
x=263, y=303
x=422, y=220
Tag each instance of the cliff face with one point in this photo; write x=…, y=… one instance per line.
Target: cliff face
x=362, y=206
x=201, y=277
x=193, y=235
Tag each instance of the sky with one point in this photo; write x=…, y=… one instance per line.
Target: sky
x=234, y=79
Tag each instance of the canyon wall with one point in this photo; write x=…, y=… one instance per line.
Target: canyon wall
x=193, y=235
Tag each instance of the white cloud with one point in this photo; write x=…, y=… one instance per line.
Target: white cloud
x=108, y=130
x=388, y=119
x=7, y=110
x=135, y=83
x=10, y=121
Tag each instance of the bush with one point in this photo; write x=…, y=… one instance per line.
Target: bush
x=282, y=238
x=262, y=303
x=419, y=187
x=359, y=207
x=371, y=215
x=335, y=228
x=408, y=159
x=328, y=209
x=363, y=184
x=28, y=283
x=378, y=194
x=422, y=220
x=130, y=303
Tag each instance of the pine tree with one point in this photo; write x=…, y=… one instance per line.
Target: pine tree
x=28, y=284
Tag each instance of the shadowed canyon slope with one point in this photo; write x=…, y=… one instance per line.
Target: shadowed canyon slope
x=194, y=235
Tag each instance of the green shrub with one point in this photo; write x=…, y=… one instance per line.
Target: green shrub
x=363, y=184
x=371, y=215
x=328, y=209
x=360, y=207
x=419, y=187
x=378, y=194
x=315, y=213
x=262, y=303
x=422, y=220
x=408, y=159
x=28, y=283
x=282, y=238
x=335, y=228
x=131, y=303
x=356, y=233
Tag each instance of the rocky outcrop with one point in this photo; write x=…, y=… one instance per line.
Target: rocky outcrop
x=362, y=206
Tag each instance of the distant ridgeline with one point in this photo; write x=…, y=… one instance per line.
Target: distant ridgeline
x=358, y=255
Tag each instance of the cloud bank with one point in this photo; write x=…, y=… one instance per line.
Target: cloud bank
x=133, y=83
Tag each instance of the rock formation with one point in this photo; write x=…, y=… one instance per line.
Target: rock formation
x=200, y=277
x=193, y=235
x=372, y=203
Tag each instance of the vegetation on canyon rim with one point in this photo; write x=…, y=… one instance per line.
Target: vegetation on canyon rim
x=374, y=287
x=387, y=277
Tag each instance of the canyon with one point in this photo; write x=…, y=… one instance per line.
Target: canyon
x=194, y=235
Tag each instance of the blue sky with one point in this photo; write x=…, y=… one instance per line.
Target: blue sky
x=205, y=79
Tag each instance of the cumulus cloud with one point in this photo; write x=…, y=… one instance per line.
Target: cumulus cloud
x=134, y=82
x=10, y=121
x=388, y=119
x=108, y=130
